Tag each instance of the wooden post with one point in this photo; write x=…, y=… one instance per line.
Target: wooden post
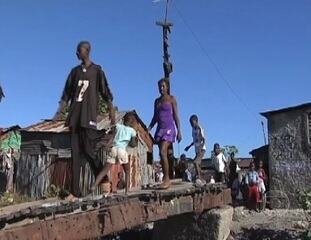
x=167, y=65
x=166, y=28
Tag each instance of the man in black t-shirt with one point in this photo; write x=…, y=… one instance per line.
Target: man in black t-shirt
x=85, y=84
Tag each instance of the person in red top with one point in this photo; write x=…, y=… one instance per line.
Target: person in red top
x=252, y=180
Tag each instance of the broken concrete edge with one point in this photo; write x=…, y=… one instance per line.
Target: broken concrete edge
x=124, y=214
x=213, y=224
x=220, y=222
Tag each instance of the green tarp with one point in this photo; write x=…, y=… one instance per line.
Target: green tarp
x=12, y=141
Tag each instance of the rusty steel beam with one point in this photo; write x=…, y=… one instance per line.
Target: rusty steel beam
x=211, y=200
x=123, y=215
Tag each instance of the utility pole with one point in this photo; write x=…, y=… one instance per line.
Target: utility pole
x=264, y=134
x=1, y=93
x=166, y=28
x=167, y=65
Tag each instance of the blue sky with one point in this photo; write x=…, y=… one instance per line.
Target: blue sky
x=261, y=48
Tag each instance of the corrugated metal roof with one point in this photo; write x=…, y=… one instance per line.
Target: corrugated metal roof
x=103, y=122
x=47, y=126
x=267, y=114
x=59, y=126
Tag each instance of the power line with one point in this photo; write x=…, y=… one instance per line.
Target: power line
x=222, y=77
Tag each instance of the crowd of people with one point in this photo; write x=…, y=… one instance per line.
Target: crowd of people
x=86, y=85
x=227, y=169
x=247, y=188
x=256, y=182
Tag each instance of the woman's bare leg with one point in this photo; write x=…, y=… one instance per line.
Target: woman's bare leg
x=163, y=147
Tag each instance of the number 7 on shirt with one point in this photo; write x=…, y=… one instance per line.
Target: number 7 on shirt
x=85, y=85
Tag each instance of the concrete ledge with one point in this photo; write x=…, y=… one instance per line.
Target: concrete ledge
x=211, y=225
x=219, y=221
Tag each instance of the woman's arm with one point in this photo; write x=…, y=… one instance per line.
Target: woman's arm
x=153, y=120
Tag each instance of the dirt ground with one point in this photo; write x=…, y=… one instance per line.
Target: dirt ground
x=270, y=225
x=246, y=225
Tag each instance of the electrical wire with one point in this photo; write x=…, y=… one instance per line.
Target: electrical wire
x=220, y=74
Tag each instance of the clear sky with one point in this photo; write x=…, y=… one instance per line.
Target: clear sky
x=261, y=48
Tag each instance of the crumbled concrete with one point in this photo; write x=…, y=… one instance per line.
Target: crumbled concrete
x=210, y=225
x=219, y=221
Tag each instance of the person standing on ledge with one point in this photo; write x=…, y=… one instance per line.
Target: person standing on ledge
x=199, y=143
x=85, y=84
x=167, y=119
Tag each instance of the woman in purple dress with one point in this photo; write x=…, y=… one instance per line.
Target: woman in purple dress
x=167, y=120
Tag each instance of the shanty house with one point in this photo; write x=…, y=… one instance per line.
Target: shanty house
x=289, y=150
x=10, y=141
x=46, y=157
x=208, y=167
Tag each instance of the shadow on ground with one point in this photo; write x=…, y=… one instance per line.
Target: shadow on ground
x=269, y=234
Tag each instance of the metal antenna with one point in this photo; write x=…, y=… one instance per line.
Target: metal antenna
x=166, y=11
x=264, y=134
x=1, y=93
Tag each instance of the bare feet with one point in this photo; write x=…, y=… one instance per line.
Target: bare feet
x=71, y=198
x=127, y=191
x=165, y=185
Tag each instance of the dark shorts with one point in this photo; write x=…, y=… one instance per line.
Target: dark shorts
x=86, y=144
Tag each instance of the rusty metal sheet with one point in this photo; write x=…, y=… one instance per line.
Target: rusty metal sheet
x=122, y=217
x=207, y=201
x=30, y=232
x=180, y=205
x=77, y=226
x=155, y=212
x=116, y=217
x=133, y=214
